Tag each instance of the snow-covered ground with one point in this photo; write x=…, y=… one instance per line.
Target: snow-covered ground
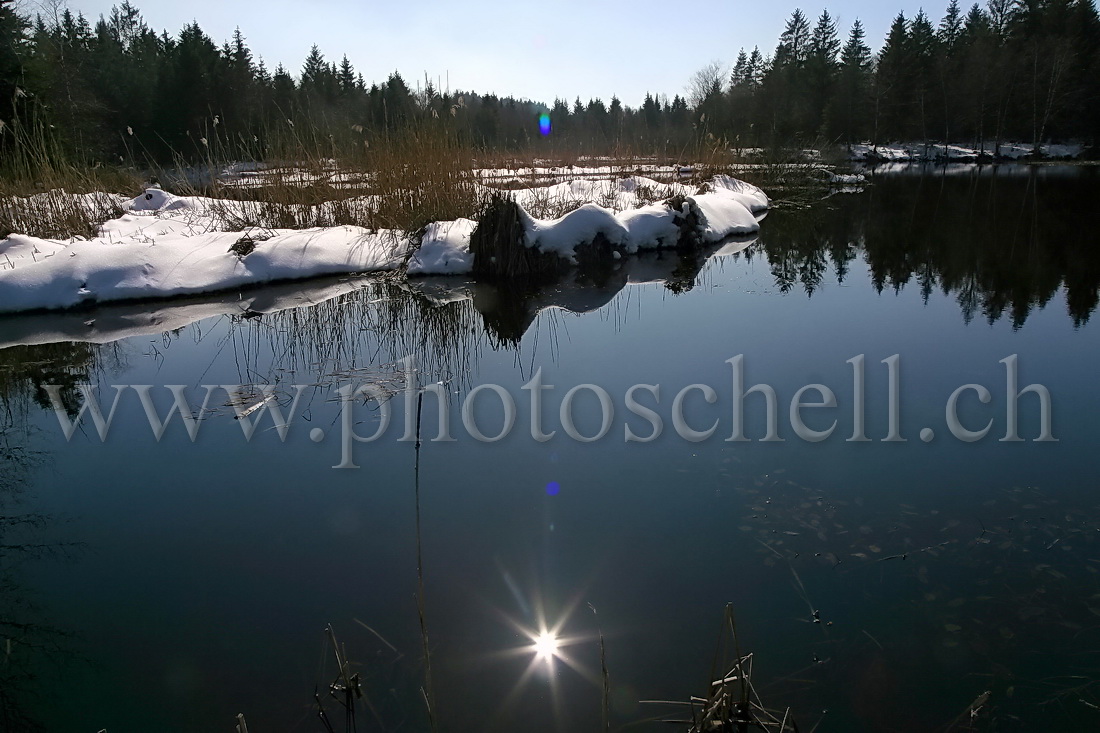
x=166, y=245
x=112, y=322
x=920, y=152
x=329, y=172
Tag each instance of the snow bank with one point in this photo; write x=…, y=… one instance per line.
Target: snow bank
x=649, y=227
x=444, y=249
x=724, y=216
x=750, y=196
x=728, y=208
x=94, y=271
x=618, y=194
x=111, y=322
x=166, y=245
x=563, y=235
x=921, y=153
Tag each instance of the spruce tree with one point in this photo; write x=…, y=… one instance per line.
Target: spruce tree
x=924, y=99
x=951, y=26
x=892, y=80
x=851, y=105
x=13, y=47
x=821, y=68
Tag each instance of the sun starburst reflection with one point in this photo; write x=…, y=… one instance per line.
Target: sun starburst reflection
x=546, y=645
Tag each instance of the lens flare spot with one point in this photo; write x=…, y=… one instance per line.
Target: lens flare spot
x=553, y=488
x=544, y=124
x=546, y=645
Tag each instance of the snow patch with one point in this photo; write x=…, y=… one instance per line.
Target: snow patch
x=166, y=245
x=444, y=249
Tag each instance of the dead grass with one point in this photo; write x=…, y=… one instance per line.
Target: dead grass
x=44, y=193
x=731, y=702
x=400, y=182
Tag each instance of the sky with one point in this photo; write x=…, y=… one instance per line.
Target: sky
x=534, y=50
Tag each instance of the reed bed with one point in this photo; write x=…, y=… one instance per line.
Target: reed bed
x=297, y=178
x=44, y=192
x=400, y=182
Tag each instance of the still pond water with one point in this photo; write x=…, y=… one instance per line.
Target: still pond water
x=880, y=585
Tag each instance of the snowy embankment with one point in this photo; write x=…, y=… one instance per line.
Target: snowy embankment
x=930, y=153
x=166, y=245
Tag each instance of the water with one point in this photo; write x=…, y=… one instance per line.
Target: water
x=171, y=585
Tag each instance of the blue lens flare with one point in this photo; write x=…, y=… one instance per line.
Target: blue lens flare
x=553, y=488
x=544, y=124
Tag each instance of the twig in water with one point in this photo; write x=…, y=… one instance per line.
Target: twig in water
x=427, y=689
x=603, y=671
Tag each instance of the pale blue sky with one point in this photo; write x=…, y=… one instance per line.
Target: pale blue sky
x=540, y=51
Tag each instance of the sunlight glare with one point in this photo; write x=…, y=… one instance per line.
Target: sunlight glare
x=546, y=645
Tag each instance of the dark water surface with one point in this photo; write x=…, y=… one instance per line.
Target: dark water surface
x=170, y=585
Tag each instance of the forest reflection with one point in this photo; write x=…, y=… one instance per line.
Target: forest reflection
x=1001, y=245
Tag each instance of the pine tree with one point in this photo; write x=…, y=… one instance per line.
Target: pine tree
x=979, y=54
x=126, y=25
x=314, y=71
x=399, y=105
x=951, y=26
x=755, y=72
x=821, y=68
x=851, y=105
x=561, y=119
x=239, y=90
x=923, y=52
x=949, y=69
x=651, y=113
x=794, y=44
x=891, y=90
x=187, y=103
x=283, y=94
x=616, y=117
x=346, y=78
x=13, y=48
x=740, y=74
x=824, y=43
x=785, y=85
x=741, y=99
x=1085, y=25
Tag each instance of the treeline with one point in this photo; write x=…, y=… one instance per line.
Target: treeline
x=1022, y=70
x=1025, y=70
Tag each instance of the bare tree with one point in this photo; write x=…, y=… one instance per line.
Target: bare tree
x=706, y=82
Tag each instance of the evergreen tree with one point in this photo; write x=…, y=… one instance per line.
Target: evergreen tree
x=851, y=105
x=891, y=89
x=13, y=48
x=346, y=78
x=821, y=68
x=794, y=44
x=951, y=26
x=923, y=52
x=755, y=72
x=740, y=74
x=785, y=84
x=1020, y=69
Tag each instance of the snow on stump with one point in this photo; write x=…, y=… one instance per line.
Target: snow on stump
x=508, y=243
x=499, y=244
